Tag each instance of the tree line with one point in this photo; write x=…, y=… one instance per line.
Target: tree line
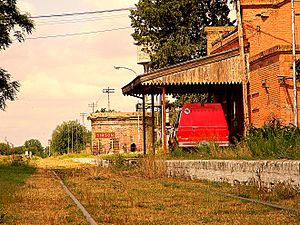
x=69, y=137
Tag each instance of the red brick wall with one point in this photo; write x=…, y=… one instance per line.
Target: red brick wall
x=268, y=37
x=263, y=33
x=264, y=91
x=271, y=30
x=287, y=90
x=270, y=96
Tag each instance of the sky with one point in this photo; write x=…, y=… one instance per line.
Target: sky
x=61, y=76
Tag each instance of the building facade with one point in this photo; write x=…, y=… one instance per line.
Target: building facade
x=116, y=132
x=267, y=43
x=248, y=68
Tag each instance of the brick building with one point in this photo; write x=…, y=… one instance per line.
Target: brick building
x=248, y=68
x=115, y=132
x=267, y=42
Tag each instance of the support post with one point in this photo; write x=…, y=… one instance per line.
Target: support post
x=152, y=124
x=92, y=145
x=294, y=65
x=144, y=126
x=244, y=71
x=164, y=130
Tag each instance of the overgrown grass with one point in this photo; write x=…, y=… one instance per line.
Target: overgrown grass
x=272, y=141
x=140, y=195
x=131, y=197
x=31, y=195
x=283, y=194
x=13, y=174
x=212, y=151
x=74, y=155
x=152, y=166
x=102, y=156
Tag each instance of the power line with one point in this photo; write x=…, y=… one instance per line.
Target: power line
x=82, y=20
x=82, y=13
x=77, y=34
x=99, y=99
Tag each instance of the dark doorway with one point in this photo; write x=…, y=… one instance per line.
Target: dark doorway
x=133, y=147
x=231, y=99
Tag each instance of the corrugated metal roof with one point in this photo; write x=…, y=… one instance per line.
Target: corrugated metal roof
x=221, y=72
x=221, y=68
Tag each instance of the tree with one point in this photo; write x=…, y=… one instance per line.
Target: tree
x=17, y=25
x=69, y=137
x=18, y=150
x=8, y=89
x=174, y=29
x=35, y=147
x=4, y=149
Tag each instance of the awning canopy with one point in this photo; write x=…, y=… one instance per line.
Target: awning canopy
x=214, y=70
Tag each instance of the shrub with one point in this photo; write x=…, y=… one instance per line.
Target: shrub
x=274, y=141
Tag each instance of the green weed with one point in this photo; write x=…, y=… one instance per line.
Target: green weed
x=272, y=141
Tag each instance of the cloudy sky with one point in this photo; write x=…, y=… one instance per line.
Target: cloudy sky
x=61, y=76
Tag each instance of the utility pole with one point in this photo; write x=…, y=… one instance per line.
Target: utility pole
x=108, y=91
x=82, y=116
x=49, y=143
x=68, y=127
x=76, y=143
x=93, y=105
x=72, y=137
x=294, y=65
x=83, y=131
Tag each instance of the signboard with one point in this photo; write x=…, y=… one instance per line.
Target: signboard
x=105, y=135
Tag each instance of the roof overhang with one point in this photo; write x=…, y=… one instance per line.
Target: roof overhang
x=217, y=69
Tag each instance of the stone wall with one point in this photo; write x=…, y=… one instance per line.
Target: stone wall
x=265, y=173
x=262, y=172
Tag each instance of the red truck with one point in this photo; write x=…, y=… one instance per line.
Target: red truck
x=200, y=124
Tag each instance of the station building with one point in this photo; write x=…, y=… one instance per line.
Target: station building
x=117, y=132
x=248, y=68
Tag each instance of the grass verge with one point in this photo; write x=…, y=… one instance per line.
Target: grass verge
x=13, y=174
x=31, y=195
x=272, y=141
x=130, y=197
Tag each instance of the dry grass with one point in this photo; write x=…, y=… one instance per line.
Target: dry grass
x=55, y=162
x=37, y=199
x=116, y=197
x=152, y=167
x=134, y=196
x=42, y=201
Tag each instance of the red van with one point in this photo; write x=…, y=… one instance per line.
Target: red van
x=200, y=124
